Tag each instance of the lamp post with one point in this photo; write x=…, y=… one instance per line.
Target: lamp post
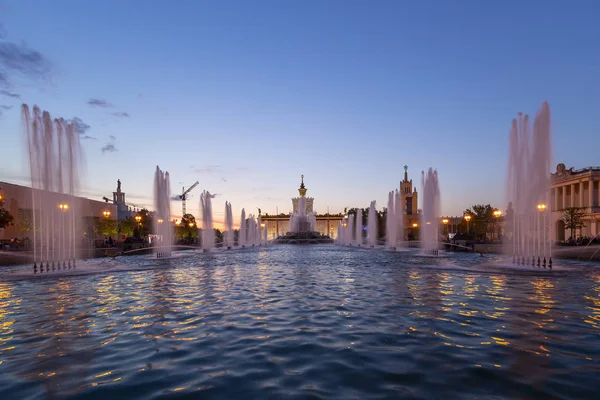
x=445, y=222
x=497, y=215
x=106, y=214
x=467, y=218
x=138, y=219
x=64, y=208
x=541, y=207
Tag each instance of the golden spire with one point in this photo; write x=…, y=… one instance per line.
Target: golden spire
x=302, y=189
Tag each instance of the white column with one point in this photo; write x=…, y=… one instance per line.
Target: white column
x=591, y=193
x=564, y=197
x=581, y=195
x=555, y=191
x=598, y=199
x=572, y=195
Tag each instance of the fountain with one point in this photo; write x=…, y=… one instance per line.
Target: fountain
x=358, y=226
x=395, y=220
x=55, y=159
x=350, y=230
x=242, y=233
x=431, y=212
x=208, y=232
x=528, y=190
x=303, y=222
x=266, y=233
x=372, y=225
x=229, y=234
x=162, y=207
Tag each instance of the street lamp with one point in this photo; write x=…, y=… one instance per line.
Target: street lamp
x=63, y=207
x=138, y=218
x=160, y=221
x=467, y=218
x=191, y=224
x=541, y=207
x=445, y=222
x=415, y=225
x=106, y=214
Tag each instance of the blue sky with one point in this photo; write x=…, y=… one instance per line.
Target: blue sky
x=247, y=96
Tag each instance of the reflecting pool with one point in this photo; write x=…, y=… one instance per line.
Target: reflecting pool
x=299, y=322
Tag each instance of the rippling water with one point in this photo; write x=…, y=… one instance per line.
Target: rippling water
x=301, y=322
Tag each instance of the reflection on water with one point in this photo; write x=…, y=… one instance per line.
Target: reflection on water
x=303, y=321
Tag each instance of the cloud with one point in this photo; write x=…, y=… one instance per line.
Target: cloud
x=7, y=107
x=99, y=103
x=109, y=148
x=9, y=94
x=80, y=126
x=88, y=137
x=211, y=168
x=120, y=114
x=19, y=58
x=3, y=79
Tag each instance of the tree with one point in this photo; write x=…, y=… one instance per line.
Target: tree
x=574, y=218
x=483, y=220
x=146, y=225
x=184, y=229
x=6, y=219
x=105, y=227
x=127, y=227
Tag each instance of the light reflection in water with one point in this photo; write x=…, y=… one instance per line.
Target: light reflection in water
x=217, y=324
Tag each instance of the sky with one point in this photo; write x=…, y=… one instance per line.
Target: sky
x=245, y=97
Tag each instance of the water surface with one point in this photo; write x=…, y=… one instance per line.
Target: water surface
x=301, y=322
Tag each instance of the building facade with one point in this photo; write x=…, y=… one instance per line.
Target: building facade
x=278, y=225
x=410, y=203
x=575, y=188
x=18, y=201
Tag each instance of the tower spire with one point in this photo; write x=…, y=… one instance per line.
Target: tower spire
x=405, y=173
x=302, y=189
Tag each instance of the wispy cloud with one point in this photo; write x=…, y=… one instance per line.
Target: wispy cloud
x=10, y=94
x=109, y=148
x=211, y=168
x=7, y=107
x=120, y=114
x=88, y=137
x=3, y=79
x=80, y=126
x=17, y=57
x=99, y=103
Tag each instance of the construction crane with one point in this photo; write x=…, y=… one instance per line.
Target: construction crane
x=184, y=194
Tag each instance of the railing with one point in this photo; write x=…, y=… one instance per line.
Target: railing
x=577, y=171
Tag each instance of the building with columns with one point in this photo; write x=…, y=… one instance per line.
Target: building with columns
x=277, y=225
x=575, y=188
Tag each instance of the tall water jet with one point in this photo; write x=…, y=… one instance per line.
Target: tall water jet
x=266, y=232
x=359, y=227
x=390, y=222
x=162, y=207
x=259, y=230
x=528, y=188
x=431, y=211
x=399, y=216
x=208, y=232
x=372, y=225
x=55, y=159
x=229, y=234
x=242, y=232
x=350, y=230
